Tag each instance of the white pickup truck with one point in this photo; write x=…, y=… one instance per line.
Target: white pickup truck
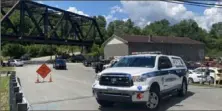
x=141, y=79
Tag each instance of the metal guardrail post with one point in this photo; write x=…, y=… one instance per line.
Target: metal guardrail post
x=14, y=86
x=18, y=97
x=16, y=89
x=15, y=95
x=22, y=107
x=12, y=89
x=19, y=105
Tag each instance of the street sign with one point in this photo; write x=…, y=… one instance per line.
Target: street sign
x=43, y=70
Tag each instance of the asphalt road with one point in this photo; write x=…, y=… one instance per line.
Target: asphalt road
x=71, y=90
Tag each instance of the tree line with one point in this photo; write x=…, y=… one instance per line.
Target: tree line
x=185, y=28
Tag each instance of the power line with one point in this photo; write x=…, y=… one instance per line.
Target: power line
x=186, y=1
x=193, y=3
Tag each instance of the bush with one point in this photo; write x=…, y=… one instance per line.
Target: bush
x=46, y=50
x=13, y=50
x=96, y=51
x=33, y=50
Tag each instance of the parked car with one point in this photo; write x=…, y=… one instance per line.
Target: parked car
x=25, y=57
x=88, y=62
x=59, y=64
x=77, y=58
x=195, y=77
x=214, y=72
x=15, y=62
x=192, y=65
x=111, y=63
x=99, y=66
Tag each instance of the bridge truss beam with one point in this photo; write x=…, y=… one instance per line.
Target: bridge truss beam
x=50, y=25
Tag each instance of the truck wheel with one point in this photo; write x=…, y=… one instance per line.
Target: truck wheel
x=104, y=103
x=96, y=70
x=154, y=99
x=183, y=90
x=211, y=80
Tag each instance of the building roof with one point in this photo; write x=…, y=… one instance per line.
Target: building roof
x=159, y=39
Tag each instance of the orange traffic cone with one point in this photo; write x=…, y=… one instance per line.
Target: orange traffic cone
x=50, y=78
x=37, y=81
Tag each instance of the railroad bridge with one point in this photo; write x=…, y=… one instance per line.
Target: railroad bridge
x=42, y=24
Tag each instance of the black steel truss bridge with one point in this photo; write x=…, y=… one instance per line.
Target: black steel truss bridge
x=47, y=25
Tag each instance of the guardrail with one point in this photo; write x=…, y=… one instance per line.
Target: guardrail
x=38, y=62
x=16, y=97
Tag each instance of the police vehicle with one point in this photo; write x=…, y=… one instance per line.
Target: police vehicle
x=141, y=78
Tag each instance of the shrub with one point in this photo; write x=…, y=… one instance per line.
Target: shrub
x=13, y=50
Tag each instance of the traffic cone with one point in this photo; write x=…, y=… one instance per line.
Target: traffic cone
x=50, y=78
x=37, y=81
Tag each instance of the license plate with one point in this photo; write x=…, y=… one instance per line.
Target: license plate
x=111, y=89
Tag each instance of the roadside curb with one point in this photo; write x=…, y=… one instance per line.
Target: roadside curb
x=205, y=85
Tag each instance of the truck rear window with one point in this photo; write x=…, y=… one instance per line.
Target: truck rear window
x=177, y=62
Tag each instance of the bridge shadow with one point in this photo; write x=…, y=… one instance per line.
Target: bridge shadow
x=164, y=105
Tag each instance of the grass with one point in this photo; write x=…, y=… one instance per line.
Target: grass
x=4, y=93
x=7, y=68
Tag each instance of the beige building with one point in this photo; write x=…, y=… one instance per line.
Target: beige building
x=184, y=47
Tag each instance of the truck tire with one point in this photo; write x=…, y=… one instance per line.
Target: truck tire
x=183, y=90
x=96, y=70
x=154, y=99
x=104, y=103
x=211, y=80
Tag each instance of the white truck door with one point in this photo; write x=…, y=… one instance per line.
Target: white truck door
x=180, y=70
x=165, y=67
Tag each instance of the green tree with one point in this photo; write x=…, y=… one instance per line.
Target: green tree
x=33, y=50
x=102, y=25
x=13, y=50
x=216, y=30
x=46, y=50
x=96, y=51
x=160, y=28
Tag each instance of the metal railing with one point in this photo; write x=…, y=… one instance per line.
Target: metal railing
x=16, y=97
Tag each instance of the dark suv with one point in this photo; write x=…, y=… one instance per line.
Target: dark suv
x=77, y=58
x=59, y=64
